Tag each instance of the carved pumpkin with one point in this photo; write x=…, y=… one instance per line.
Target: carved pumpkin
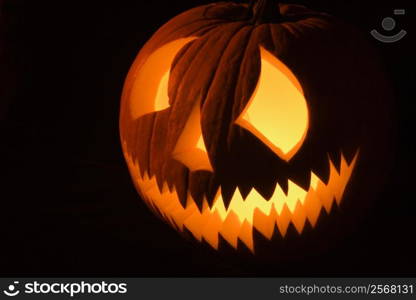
x=238, y=118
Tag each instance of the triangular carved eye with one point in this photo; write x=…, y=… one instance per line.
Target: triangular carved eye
x=150, y=89
x=277, y=112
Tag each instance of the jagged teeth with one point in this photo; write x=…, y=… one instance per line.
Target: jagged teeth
x=237, y=221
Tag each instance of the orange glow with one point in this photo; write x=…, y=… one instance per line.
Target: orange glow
x=277, y=112
x=162, y=98
x=150, y=87
x=237, y=222
x=190, y=148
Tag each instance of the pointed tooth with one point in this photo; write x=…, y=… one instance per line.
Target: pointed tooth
x=142, y=171
x=264, y=223
x=291, y=231
x=315, y=181
x=212, y=192
x=145, y=176
x=195, y=222
x=198, y=203
x=302, y=179
x=146, y=183
x=335, y=157
x=179, y=216
x=160, y=182
x=321, y=168
x=198, y=183
x=177, y=176
x=299, y=217
x=227, y=191
x=283, y=185
x=312, y=206
x=211, y=229
x=230, y=229
x=278, y=199
x=327, y=199
x=283, y=220
x=295, y=193
x=171, y=186
x=265, y=189
x=246, y=235
x=181, y=192
x=244, y=190
x=181, y=184
x=349, y=153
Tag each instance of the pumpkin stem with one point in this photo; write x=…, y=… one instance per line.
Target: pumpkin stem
x=264, y=11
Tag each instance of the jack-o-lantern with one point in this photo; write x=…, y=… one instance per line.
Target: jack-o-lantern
x=239, y=117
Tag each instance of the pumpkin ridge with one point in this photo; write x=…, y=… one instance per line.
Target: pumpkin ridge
x=183, y=77
x=209, y=27
x=204, y=40
x=239, y=77
x=192, y=59
x=199, y=33
x=176, y=63
x=209, y=90
x=277, y=42
x=208, y=87
x=179, y=87
x=177, y=59
x=186, y=15
x=242, y=34
x=239, y=102
x=180, y=84
x=209, y=84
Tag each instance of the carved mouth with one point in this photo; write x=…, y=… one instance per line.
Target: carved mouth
x=236, y=222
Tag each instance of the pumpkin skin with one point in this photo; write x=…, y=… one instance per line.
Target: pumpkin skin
x=215, y=66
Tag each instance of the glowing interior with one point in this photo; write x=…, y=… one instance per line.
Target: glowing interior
x=190, y=148
x=277, y=112
x=236, y=223
x=149, y=91
x=162, y=98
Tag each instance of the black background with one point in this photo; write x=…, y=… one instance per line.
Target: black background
x=67, y=204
